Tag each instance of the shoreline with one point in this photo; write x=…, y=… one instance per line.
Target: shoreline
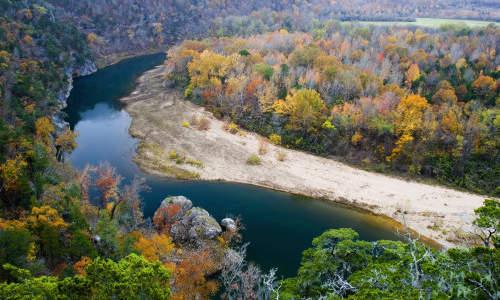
x=434, y=213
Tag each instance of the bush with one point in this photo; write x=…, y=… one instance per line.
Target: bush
x=173, y=155
x=231, y=127
x=254, y=160
x=281, y=155
x=275, y=139
x=185, y=124
x=194, y=120
x=204, y=124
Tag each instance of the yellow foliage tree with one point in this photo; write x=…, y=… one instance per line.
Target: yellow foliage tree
x=409, y=124
x=44, y=130
x=45, y=216
x=305, y=108
x=208, y=69
x=65, y=143
x=11, y=172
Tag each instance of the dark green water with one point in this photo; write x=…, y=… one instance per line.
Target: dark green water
x=278, y=225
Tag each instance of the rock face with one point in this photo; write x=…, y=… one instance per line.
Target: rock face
x=85, y=69
x=189, y=224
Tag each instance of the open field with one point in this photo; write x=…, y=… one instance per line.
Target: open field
x=433, y=23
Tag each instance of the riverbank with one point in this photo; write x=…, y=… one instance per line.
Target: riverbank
x=114, y=58
x=168, y=143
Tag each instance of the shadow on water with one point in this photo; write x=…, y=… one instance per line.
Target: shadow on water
x=278, y=225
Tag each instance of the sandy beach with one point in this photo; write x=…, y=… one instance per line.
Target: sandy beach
x=159, y=117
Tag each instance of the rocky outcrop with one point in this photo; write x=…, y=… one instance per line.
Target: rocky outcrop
x=187, y=223
x=85, y=69
x=229, y=224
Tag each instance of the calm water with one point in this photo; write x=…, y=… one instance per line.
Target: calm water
x=278, y=225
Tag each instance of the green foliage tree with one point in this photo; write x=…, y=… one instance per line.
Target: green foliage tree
x=341, y=266
x=15, y=246
x=133, y=277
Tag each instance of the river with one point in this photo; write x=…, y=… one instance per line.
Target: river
x=279, y=226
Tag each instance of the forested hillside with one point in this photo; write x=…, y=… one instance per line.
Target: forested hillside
x=128, y=26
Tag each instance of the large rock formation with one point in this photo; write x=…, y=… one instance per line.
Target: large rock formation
x=188, y=223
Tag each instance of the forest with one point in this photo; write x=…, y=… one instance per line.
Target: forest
x=415, y=101
x=422, y=103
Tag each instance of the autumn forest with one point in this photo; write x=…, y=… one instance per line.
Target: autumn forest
x=357, y=84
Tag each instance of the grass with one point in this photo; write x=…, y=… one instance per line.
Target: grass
x=181, y=173
x=430, y=22
x=195, y=162
x=155, y=161
x=254, y=160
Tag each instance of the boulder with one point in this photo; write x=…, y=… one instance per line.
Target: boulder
x=229, y=224
x=190, y=224
x=184, y=203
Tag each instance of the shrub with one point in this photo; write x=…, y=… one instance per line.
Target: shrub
x=275, y=139
x=244, y=52
x=173, y=155
x=204, y=124
x=254, y=160
x=262, y=146
x=231, y=127
x=281, y=155
x=185, y=124
x=194, y=120
x=179, y=160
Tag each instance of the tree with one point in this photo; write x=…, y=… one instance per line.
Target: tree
x=409, y=125
x=189, y=277
x=44, y=130
x=131, y=278
x=305, y=109
x=209, y=69
x=46, y=224
x=341, y=266
x=15, y=248
x=484, y=86
x=81, y=245
x=157, y=248
x=107, y=183
x=412, y=74
x=107, y=244
x=65, y=143
x=11, y=174
x=444, y=96
x=265, y=70
x=488, y=222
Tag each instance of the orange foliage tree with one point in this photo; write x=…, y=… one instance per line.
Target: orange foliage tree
x=190, y=277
